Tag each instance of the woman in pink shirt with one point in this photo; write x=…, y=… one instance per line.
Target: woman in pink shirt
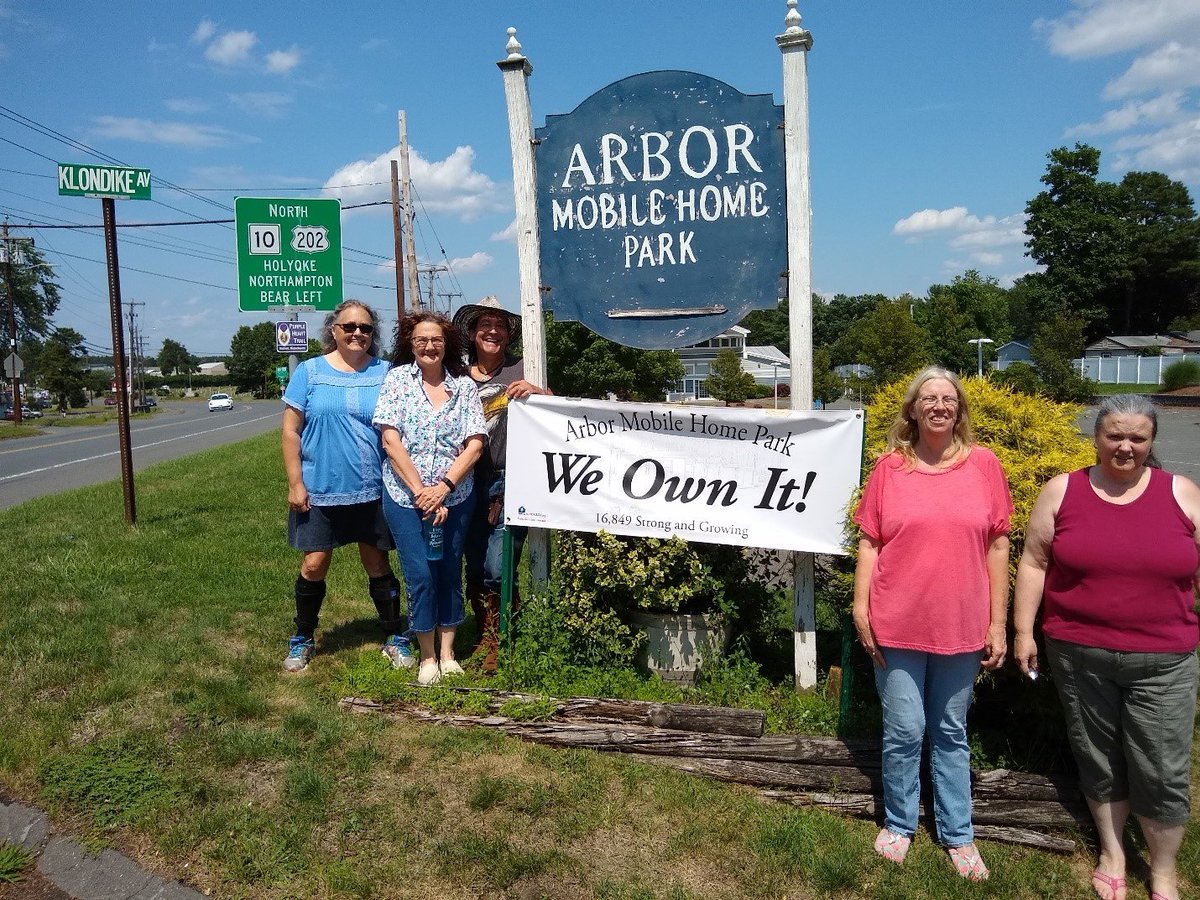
x=1114, y=552
x=930, y=603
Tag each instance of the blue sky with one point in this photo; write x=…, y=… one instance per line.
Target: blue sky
x=930, y=124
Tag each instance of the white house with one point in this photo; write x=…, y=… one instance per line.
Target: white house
x=767, y=364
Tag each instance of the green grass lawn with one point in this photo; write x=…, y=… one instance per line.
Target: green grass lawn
x=145, y=709
x=1103, y=390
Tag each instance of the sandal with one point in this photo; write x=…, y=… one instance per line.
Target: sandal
x=1114, y=883
x=891, y=846
x=969, y=863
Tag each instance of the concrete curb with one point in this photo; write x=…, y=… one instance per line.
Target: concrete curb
x=68, y=866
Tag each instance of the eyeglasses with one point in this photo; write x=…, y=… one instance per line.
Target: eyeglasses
x=429, y=342
x=949, y=402
x=351, y=327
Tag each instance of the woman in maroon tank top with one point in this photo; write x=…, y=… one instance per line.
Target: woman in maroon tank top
x=1112, y=557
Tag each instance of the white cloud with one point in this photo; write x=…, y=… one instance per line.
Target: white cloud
x=283, y=61
x=204, y=31
x=1172, y=66
x=1174, y=149
x=927, y=220
x=262, y=103
x=231, y=48
x=223, y=176
x=466, y=265
x=375, y=43
x=992, y=232
x=451, y=186
x=988, y=259
x=1011, y=278
x=180, y=134
x=1160, y=109
x=186, y=105
x=1102, y=27
x=508, y=234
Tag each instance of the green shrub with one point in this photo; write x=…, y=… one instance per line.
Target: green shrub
x=1184, y=373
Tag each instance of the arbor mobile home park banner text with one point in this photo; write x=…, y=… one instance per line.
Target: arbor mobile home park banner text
x=745, y=477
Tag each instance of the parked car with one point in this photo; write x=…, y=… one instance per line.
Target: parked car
x=219, y=401
x=26, y=413
x=110, y=400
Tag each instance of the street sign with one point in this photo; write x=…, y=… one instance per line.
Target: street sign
x=281, y=375
x=289, y=253
x=291, y=337
x=13, y=366
x=121, y=182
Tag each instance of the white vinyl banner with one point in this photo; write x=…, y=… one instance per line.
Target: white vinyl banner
x=746, y=477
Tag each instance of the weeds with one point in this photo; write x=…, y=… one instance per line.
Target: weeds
x=14, y=861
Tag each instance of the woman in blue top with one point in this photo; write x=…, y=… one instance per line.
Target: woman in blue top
x=433, y=433
x=332, y=457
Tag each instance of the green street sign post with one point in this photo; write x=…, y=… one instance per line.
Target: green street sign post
x=111, y=183
x=289, y=253
x=119, y=182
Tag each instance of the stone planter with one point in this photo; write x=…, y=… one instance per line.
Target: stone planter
x=676, y=643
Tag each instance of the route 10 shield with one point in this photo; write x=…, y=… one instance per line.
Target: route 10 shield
x=662, y=209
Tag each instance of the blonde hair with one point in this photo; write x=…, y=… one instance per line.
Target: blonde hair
x=903, y=436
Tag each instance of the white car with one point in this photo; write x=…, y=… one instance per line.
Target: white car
x=219, y=401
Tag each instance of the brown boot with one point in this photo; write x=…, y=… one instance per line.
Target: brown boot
x=489, y=642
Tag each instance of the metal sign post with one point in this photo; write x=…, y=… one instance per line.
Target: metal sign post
x=111, y=183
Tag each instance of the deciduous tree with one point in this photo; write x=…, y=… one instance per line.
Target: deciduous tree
x=583, y=364
x=252, y=358
x=729, y=381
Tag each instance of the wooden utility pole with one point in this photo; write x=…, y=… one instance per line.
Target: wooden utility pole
x=414, y=287
x=398, y=234
x=794, y=44
x=12, y=323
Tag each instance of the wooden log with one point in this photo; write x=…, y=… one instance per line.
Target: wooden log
x=1012, y=813
x=675, y=716
x=799, y=776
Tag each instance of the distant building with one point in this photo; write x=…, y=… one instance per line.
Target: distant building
x=1011, y=352
x=213, y=368
x=767, y=364
x=1116, y=345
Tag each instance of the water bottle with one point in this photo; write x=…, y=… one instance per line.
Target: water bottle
x=433, y=538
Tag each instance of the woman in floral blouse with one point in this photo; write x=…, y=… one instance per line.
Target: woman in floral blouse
x=433, y=433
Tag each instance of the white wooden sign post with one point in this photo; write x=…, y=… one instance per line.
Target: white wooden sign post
x=517, y=69
x=795, y=43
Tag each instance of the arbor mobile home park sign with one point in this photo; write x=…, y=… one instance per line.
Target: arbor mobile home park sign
x=662, y=209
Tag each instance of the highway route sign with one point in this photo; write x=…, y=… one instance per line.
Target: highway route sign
x=289, y=253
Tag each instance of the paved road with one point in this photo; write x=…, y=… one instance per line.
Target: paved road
x=71, y=457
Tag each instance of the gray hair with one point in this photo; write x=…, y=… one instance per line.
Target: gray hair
x=1129, y=405
x=326, y=336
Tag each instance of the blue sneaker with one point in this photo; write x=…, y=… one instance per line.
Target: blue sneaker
x=397, y=649
x=300, y=651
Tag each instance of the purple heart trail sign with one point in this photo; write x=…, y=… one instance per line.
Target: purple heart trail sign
x=662, y=209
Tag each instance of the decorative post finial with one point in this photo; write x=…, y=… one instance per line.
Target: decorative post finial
x=792, y=19
x=513, y=47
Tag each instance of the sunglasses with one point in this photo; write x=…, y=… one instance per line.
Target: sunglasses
x=351, y=327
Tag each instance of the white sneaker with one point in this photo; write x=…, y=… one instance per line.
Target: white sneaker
x=451, y=667
x=428, y=673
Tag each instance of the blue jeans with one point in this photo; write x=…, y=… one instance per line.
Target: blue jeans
x=434, y=587
x=927, y=693
x=485, y=541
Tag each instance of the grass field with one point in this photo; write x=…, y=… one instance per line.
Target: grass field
x=144, y=709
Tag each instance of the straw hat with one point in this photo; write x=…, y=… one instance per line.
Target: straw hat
x=468, y=315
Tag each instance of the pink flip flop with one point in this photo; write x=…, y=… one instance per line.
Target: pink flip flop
x=891, y=846
x=1115, y=883
x=969, y=863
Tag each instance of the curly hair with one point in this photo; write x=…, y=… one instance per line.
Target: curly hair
x=903, y=435
x=456, y=341
x=326, y=335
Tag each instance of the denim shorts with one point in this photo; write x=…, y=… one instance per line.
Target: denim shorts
x=1129, y=720
x=326, y=527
